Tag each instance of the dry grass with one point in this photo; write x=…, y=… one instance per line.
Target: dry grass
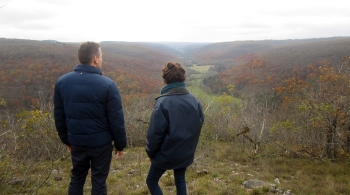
x=219, y=168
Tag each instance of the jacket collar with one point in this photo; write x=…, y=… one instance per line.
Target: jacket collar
x=175, y=91
x=87, y=68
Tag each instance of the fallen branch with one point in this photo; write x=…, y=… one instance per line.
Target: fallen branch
x=246, y=130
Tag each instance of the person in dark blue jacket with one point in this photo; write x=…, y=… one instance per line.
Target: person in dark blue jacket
x=89, y=117
x=173, y=131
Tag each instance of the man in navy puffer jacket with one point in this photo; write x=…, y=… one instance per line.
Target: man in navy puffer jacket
x=88, y=117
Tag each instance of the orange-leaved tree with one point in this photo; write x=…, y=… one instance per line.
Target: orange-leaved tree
x=318, y=110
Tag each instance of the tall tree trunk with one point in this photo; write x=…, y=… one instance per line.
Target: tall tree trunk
x=347, y=141
x=331, y=145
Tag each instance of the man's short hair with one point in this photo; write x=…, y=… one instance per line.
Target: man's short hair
x=87, y=51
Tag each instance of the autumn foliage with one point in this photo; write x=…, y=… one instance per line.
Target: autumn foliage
x=31, y=66
x=319, y=107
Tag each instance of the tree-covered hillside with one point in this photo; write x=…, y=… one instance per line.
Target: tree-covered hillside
x=278, y=52
x=29, y=67
x=255, y=65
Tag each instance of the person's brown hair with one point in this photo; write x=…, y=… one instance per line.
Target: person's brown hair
x=173, y=72
x=87, y=51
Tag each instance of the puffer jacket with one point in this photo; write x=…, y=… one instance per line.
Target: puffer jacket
x=88, y=109
x=174, y=129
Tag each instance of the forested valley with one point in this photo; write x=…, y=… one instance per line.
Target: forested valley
x=269, y=99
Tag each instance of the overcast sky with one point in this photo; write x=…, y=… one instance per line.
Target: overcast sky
x=165, y=20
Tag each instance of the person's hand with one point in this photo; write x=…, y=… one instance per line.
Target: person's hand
x=69, y=148
x=118, y=154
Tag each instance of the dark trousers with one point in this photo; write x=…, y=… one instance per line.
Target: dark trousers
x=154, y=175
x=99, y=160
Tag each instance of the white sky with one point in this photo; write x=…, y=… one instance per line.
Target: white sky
x=165, y=20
